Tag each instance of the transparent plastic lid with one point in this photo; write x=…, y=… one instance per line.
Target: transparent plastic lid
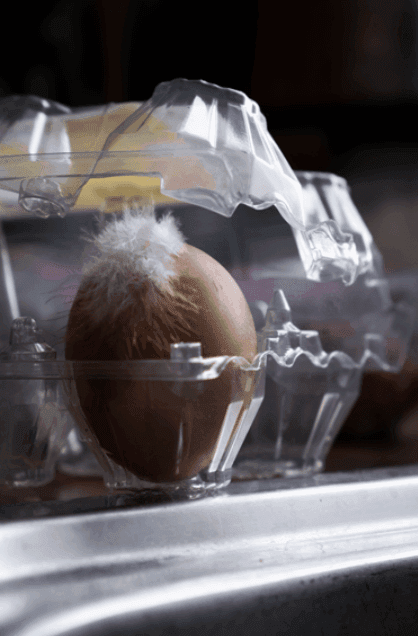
x=191, y=142
x=336, y=242
x=210, y=147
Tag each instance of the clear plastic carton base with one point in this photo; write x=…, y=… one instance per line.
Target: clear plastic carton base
x=203, y=421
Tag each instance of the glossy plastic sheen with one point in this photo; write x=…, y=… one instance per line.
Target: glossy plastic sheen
x=192, y=425
x=211, y=405
x=308, y=396
x=33, y=421
x=310, y=392
x=209, y=146
x=336, y=242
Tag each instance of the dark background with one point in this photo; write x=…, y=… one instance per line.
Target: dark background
x=331, y=77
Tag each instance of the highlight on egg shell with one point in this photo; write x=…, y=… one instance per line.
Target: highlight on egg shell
x=145, y=290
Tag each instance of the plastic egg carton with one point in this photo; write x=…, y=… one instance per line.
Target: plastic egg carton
x=197, y=149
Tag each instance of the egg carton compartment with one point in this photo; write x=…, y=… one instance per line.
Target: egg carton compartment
x=33, y=431
x=34, y=420
x=174, y=425
x=308, y=395
x=365, y=317
x=310, y=392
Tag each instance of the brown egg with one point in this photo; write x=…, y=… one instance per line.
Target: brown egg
x=160, y=431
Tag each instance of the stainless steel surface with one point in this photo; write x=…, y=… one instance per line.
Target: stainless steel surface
x=294, y=557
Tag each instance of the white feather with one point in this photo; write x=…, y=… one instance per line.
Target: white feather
x=133, y=249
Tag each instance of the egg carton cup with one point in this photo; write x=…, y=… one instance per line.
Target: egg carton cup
x=195, y=414
x=308, y=392
x=368, y=321
x=38, y=434
x=34, y=422
x=34, y=426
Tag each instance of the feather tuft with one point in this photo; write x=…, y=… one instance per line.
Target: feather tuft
x=133, y=250
x=140, y=245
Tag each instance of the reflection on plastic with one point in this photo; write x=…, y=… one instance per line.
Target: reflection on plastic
x=209, y=146
x=194, y=415
x=336, y=242
x=309, y=392
x=33, y=422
